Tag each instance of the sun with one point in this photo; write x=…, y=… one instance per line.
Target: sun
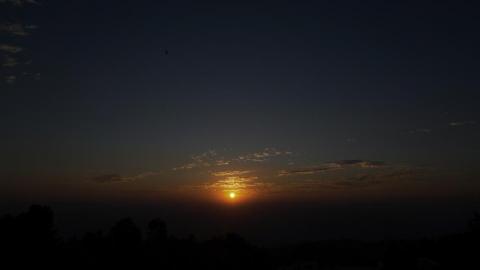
x=232, y=195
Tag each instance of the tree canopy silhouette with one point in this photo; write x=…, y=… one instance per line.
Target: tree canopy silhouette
x=30, y=239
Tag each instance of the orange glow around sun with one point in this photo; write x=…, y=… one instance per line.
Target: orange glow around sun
x=233, y=187
x=234, y=196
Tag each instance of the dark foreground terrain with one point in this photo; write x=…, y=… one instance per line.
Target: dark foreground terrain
x=30, y=240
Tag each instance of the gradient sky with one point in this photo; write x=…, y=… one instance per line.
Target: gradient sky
x=273, y=100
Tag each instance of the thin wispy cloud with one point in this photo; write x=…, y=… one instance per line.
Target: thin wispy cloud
x=10, y=79
x=237, y=183
x=360, y=163
x=8, y=48
x=13, y=30
x=206, y=159
x=360, y=179
x=380, y=177
x=9, y=61
x=329, y=166
x=264, y=155
x=230, y=173
x=351, y=140
x=212, y=158
x=340, y=174
x=462, y=123
x=110, y=178
x=19, y=3
x=16, y=29
x=116, y=178
x=306, y=171
x=420, y=131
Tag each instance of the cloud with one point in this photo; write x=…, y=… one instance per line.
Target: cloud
x=35, y=76
x=230, y=173
x=206, y=159
x=375, y=178
x=188, y=166
x=235, y=180
x=336, y=165
x=359, y=179
x=361, y=163
x=351, y=140
x=116, y=178
x=19, y=3
x=237, y=183
x=420, y=131
x=10, y=48
x=462, y=123
x=212, y=158
x=263, y=155
x=9, y=61
x=305, y=171
x=10, y=79
x=110, y=178
x=16, y=29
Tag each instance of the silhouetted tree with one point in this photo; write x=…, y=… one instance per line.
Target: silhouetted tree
x=125, y=235
x=30, y=240
x=157, y=230
x=474, y=223
x=29, y=237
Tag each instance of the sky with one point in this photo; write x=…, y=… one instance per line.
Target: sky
x=311, y=104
